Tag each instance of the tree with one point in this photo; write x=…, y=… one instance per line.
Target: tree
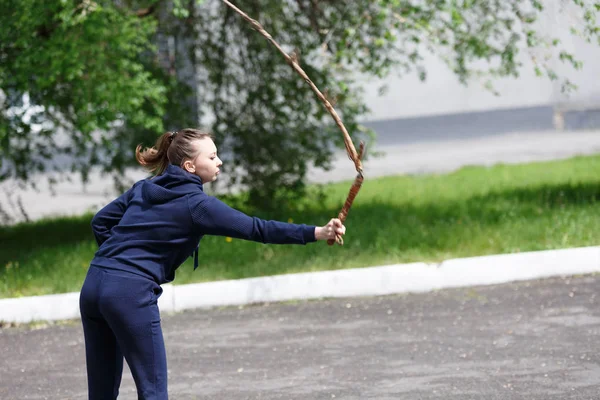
x=94, y=69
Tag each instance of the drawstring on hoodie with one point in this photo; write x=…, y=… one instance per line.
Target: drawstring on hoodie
x=196, y=256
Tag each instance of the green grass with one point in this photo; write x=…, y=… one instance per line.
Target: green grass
x=474, y=211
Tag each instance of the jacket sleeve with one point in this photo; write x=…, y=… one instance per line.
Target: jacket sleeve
x=213, y=217
x=109, y=216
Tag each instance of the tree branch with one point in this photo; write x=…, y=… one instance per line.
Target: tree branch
x=350, y=149
x=144, y=12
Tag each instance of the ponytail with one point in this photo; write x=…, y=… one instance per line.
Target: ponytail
x=155, y=159
x=170, y=148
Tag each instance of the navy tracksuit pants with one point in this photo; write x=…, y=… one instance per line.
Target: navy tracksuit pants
x=120, y=318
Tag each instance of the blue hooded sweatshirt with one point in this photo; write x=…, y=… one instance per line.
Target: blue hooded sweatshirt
x=153, y=227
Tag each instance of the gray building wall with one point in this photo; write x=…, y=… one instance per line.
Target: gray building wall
x=442, y=94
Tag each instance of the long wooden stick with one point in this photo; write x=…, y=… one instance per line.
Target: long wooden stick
x=350, y=149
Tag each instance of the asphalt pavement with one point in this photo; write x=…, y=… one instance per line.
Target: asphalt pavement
x=527, y=340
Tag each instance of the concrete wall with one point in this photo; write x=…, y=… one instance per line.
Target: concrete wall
x=443, y=94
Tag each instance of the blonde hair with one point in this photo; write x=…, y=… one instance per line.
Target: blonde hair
x=170, y=148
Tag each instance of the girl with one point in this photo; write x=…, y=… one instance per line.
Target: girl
x=143, y=237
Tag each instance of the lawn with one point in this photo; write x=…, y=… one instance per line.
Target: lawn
x=397, y=219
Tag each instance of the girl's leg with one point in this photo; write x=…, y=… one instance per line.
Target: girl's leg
x=131, y=310
x=104, y=360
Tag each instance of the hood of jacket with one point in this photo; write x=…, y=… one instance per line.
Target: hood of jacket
x=175, y=182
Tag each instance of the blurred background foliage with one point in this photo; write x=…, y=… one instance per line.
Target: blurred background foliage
x=82, y=81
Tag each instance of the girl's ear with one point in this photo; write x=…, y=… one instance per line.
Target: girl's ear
x=189, y=166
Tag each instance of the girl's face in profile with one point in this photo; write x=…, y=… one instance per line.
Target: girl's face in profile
x=206, y=163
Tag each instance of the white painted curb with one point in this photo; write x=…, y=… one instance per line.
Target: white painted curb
x=373, y=281
x=40, y=308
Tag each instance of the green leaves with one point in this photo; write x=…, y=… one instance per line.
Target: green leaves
x=90, y=73
x=564, y=56
x=179, y=10
x=80, y=66
x=457, y=19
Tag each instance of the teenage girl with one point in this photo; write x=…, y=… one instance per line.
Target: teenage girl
x=143, y=237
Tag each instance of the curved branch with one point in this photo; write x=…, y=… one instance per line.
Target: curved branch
x=144, y=12
x=350, y=149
